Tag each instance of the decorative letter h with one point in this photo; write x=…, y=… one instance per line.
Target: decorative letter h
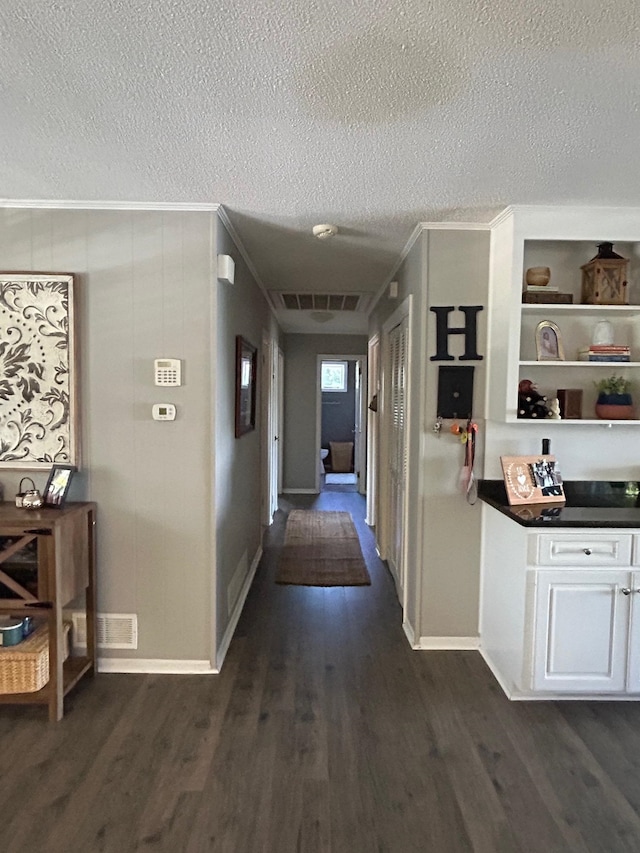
x=469, y=330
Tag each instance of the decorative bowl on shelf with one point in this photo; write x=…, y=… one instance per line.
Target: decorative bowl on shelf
x=538, y=276
x=614, y=412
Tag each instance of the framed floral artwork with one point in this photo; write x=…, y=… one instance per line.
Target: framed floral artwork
x=38, y=396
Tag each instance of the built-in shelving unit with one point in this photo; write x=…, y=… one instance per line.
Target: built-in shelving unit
x=525, y=238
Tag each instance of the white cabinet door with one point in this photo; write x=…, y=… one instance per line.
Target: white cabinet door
x=633, y=676
x=581, y=630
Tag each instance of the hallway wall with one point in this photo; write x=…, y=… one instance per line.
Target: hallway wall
x=443, y=267
x=144, y=288
x=300, y=460
x=242, y=310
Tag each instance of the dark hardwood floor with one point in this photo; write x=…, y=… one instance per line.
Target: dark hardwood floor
x=324, y=732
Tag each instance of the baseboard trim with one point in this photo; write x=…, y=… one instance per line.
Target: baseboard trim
x=156, y=666
x=448, y=643
x=300, y=492
x=237, y=610
x=409, y=633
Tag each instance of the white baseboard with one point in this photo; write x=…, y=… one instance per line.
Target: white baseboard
x=409, y=633
x=300, y=492
x=237, y=610
x=448, y=643
x=156, y=666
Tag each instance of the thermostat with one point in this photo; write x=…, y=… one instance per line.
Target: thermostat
x=164, y=412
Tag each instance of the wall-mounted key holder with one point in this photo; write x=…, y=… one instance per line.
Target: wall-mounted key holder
x=455, y=392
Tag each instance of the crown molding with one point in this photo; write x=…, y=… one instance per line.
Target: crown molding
x=224, y=218
x=73, y=204
x=394, y=269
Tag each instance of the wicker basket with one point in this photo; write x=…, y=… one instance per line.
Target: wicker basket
x=25, y=668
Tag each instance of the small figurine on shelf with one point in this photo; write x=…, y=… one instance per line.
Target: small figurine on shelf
x=531, y=404
x=554, y=410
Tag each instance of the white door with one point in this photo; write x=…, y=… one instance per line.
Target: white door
x=397, y=451
x=359, y=444
x=373, y=419
x=581, y=630
x=272, y=410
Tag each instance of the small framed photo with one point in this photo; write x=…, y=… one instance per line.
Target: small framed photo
x=55, y=492
x=548, y=342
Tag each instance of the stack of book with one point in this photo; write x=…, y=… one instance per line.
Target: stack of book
x=605, y=352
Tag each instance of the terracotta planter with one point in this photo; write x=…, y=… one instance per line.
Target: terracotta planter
x=612, y=412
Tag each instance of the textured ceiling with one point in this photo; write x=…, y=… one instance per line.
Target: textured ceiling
x=369, y=114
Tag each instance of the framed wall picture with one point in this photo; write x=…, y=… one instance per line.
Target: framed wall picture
x=38, y=373
x=246, y=374
x=55, y=492
x=548, y=342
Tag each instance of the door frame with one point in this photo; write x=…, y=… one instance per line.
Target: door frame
x=373, y=428
x=383, y=515
x=359, y=463
x=272, y=407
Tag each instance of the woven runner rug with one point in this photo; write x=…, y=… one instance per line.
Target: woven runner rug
x=321, y=549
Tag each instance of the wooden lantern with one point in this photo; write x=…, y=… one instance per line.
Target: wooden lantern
x=604, y=278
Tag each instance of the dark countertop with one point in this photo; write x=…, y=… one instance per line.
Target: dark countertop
x=588, y=503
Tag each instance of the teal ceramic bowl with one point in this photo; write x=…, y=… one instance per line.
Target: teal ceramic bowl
x=11, y=632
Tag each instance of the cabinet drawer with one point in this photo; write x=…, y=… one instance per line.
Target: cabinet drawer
x=583, y=550
x=636, y=549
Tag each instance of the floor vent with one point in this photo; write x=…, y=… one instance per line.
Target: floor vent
x=114, y=630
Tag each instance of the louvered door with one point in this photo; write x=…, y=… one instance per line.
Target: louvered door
x=397, y=450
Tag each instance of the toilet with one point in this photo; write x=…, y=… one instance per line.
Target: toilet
x=324, y=452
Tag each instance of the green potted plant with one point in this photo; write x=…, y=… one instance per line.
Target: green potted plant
x=614, y=401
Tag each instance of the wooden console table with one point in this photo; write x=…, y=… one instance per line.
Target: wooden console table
x=64, y=570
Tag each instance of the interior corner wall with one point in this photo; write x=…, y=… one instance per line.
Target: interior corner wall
x=443, y=267
x=242, y=309
x=144, y=291
x=457, y=274
x=300, y=454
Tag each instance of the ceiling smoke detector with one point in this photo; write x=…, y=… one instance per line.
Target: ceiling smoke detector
x=323, y=232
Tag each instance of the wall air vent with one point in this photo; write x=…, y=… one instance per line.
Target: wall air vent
x=320, y=301
x=114, y=630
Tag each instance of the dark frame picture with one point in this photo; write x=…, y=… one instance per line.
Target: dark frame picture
x=55, y=492
x=246, y=374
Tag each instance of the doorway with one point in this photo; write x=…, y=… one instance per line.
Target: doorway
x=272, y=397
x=341, y=421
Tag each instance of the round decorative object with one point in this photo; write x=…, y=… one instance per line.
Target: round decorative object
x=538, y=276
x=602, y=334
x=611, y=412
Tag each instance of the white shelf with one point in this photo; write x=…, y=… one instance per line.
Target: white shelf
x=568, y=308
x=608, y=365
x=572, y=422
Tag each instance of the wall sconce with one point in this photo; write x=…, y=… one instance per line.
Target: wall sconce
x=226, y=268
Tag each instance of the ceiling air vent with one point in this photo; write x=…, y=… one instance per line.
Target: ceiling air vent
x=321, y=301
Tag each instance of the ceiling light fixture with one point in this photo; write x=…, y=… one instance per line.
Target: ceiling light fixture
x=323, y=232
x=321, y=316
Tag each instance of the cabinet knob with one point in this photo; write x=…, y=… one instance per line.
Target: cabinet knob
x=625, y=590
x=587, y=551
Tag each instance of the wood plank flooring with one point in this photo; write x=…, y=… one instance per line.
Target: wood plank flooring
x=325, y=733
